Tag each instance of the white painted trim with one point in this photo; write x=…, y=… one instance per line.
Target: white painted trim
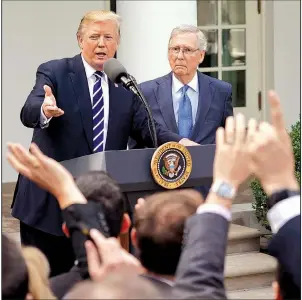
x=219, y=41
x=263, y=57
x=216, y=69
x=267, y=54
x=212, y=27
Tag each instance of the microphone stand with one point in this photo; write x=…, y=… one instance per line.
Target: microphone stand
x=147, y=107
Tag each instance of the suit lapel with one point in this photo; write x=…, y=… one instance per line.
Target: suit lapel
x=204, y=104
x=165, y=101
x=80, y=86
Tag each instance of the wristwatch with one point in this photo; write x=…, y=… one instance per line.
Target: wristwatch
x=280, y=195
x=224, y=189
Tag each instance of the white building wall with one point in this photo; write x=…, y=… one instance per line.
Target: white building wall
x=33, y=32
x=36, y=31
x=287, y=57
x=145, y=32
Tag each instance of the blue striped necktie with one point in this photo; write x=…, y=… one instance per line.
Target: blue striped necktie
x=98, y=113
x=185, y=118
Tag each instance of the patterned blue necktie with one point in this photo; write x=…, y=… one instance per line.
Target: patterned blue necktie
x=185, y=119
x=98, y=113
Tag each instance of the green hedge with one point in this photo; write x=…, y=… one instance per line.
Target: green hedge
x=259, y=204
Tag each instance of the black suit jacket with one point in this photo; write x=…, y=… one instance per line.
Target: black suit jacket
x=71, y=135
x=200, y=272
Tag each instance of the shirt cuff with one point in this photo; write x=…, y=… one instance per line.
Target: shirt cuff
x=283, y=211
x=44, y=122
x=215, y=209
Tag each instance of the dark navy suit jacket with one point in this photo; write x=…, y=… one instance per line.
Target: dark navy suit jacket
x=215, y=105
x=286, y=247
x=71, y=135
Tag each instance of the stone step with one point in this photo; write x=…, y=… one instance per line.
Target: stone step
x=249, y=271
x=243, y=239
x=262, y=293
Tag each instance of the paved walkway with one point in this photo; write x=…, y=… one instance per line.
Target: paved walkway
x=10, y=226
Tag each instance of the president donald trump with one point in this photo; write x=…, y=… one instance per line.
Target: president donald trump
x=75, y=110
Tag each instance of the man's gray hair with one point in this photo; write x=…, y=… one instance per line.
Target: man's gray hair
x=201, y=38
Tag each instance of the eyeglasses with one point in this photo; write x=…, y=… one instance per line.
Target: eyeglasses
x=185, y=51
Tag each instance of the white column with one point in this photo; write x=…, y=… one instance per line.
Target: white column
x=145, y=30
x=287, y=57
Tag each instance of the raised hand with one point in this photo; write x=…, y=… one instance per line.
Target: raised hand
x=140, y=203
x=231, y=162
x=105, y=255
x=46, y=173
x=270, y=149
x=49, y=105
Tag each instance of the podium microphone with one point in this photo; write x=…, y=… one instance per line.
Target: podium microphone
x=117, y=73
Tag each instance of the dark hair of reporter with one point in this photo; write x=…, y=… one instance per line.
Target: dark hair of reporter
x=14, y=271
x=159, y=228
x=288, y=289
x=98, y=186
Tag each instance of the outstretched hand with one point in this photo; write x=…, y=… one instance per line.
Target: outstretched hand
x=49, y=105
x=45, y=172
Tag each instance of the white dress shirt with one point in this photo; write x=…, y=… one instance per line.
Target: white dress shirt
x=284, y=211
x=91, y=78
x=215, y=209
x=278, y=215
x=193, y=94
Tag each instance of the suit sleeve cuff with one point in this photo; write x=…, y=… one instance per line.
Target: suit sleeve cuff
x=215, y=209
x=44, y=122
x=283, y=211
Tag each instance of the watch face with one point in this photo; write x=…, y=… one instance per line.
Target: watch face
x=225, y=190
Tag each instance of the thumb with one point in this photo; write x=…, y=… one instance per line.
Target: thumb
x=48, y=91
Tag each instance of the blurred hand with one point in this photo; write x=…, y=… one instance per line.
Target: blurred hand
x=49, y=105
x=46, y=173
x=231, y=163
x=277, y=119
x=270, y=149
x=106, y=255
x=140, y=203
x=187, y=142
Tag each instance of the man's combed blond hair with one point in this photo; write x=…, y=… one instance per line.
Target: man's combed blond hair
x=98, y=16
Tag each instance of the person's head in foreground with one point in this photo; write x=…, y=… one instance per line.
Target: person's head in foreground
x=99, y=187
x=24, y=272
x=158, y=229
x=118, y=284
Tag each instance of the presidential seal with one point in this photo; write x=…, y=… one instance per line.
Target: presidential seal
x=171, y=165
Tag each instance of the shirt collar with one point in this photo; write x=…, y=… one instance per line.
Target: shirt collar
x=89, y=70
x=177, y=85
